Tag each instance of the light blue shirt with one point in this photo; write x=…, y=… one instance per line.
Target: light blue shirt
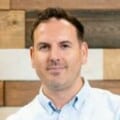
x=89, y=104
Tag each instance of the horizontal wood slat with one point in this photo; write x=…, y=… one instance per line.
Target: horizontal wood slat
x=81, y=4
x=102, y=27
x=111, y=85
x=1, y=93
x=18, y=93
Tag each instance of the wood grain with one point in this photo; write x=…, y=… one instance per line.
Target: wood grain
x=111, y=65
x=69, y=4
x=12, y=29
x=1, y=93
x=102, y=27
x=111, y=85
x=4, y=4
x=20, y=92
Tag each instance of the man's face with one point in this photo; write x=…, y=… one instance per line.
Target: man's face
x=57, y=54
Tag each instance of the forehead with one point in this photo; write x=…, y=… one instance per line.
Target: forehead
x=55, y=24
x=55, y=30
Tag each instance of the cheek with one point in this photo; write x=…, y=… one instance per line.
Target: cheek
x=39, y=67
x=75, y=58
x=74, y=65
x=39, y=61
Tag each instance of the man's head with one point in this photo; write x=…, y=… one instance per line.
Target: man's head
x=59, y=51
x=58, y=13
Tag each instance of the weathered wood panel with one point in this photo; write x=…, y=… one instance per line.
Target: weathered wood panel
x=111, y=65
x=81, y=4
x=1, y=93
x=12, y=29
x=102, y=28
x=4, y=4
x=20, y=92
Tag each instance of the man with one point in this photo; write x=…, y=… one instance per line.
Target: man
x=58, y=53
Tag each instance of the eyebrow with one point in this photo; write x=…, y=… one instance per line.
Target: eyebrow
x=61, y=42
x=65, y=42
x=42, y=43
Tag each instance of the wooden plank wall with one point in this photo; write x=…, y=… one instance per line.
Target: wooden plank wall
x=1, y=93
x=111, y=85
x=102, y=28
x=79, y=4
x=111, y=64
x=19, y=93
x=12, y=29
x=4, y=4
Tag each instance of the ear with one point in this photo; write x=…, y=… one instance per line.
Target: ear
x=84, y=52
x=32, y=56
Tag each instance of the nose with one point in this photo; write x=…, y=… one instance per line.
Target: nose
x=54, y=54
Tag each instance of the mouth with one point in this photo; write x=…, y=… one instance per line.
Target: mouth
x=56, y=70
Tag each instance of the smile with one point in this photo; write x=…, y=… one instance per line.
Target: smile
x=55, y=68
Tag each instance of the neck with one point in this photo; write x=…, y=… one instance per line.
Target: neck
x=62, y=97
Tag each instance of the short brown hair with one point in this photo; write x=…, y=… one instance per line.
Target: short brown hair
x=58, y=13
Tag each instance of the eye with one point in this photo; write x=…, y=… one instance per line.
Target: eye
x=64, y=46
x=44, y=47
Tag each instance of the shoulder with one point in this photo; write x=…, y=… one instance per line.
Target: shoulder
x=106, y=97
x=105, y=94
x=27, y=111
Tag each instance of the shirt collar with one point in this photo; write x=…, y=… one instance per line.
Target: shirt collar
x=76, y=102
x=82, y=95
x=45, y=102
